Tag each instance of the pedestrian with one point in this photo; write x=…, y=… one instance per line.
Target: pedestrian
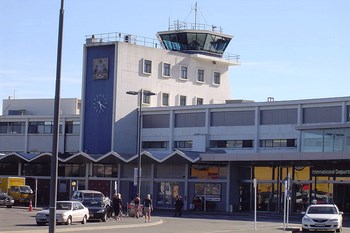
x=136, y=206
x=117, y=206
x=178, y=206
x=148, y=207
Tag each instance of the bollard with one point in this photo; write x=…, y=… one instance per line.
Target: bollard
x=30, y=208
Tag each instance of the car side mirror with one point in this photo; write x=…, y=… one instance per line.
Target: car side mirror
x=341, y=212
x=303, y=212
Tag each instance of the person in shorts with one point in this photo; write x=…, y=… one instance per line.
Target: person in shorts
x=137, y=206
x=147, y=207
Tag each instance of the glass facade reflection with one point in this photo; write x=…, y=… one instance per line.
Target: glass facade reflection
x=326, y=140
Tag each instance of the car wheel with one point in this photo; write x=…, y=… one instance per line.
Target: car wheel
x=109, y=211
x=84, y=220
x=40, y=223
x=104, y=218
x=305, y=230
x=9, y=206
x=69, y=220
x=339, y=230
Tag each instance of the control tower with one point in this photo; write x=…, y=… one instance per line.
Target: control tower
x=193, y=38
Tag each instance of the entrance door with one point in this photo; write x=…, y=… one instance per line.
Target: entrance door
x=166, y=193
x=244, y=197
x=342, y=197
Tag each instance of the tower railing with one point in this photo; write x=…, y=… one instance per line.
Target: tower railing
x=138, y=40
x=181, y=25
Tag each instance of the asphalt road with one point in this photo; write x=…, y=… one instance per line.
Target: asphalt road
x=20, y=220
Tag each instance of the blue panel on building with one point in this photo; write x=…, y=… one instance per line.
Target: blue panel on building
x=98, y=108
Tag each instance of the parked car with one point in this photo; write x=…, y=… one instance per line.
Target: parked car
x=99, y=206
x=322, y=217
x=66, y=213
x=6, y=200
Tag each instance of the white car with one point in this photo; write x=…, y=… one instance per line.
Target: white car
x=322, y=217
x=66, y=213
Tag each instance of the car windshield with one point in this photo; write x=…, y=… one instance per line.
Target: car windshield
x=24, y=189
x=93, y=202
x=64, y=206
x=322, y=210
x=93, y=196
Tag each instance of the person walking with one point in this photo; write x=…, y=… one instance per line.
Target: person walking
x=148, y=207
x=117, y=206
x=136, y=206
x=178, y=206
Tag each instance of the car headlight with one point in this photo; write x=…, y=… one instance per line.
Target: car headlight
x=306, y=218
x=101, y=211
x=40, y=215
x=334, y=220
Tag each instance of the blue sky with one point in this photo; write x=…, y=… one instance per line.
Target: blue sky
x=291, y=49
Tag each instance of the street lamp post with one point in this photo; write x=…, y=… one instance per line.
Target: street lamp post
x=140, y=94
x=55, y=133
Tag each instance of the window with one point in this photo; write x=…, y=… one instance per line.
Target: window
x=322, y=114
x=147, y=66
x=182, y=100
x=146, y=98
x=182, y=144
x=12, y=127
x=231, y=143
x=209, y=171
x=166, y=70
x=278, y=143
x=72, y=127
x=199, y=101
x=104, y=170
x=278, y=116
x=155, y=144
x=76, y=170
x=200, y=76
x=195, y=119
x=165, y=99
x=156, y=121
x=216, y=80
x=183, y=72
x=42, y=127
x=232, y=118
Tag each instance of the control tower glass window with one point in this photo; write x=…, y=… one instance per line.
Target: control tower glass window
x=195, y=42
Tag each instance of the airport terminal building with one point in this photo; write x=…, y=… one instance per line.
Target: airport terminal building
x=195, y=141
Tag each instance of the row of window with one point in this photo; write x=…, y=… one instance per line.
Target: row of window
x=277, y=143
x=183, y=72
x=312, y=115
x=326, y=140
x=196, y=171
x=182, y=100
x=38, y=127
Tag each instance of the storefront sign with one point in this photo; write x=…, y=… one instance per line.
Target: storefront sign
x=327, y=172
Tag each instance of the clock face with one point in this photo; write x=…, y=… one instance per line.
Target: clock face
x=99, y=103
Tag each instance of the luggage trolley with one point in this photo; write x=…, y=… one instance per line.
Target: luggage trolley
x=132, y=210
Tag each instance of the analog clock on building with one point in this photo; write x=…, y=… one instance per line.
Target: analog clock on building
x=99, y=103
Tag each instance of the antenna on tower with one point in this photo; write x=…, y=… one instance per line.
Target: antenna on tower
x=195, y=16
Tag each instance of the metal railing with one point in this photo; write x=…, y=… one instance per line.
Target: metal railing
x=122, y=37
x=180, y=25
x=138, y=40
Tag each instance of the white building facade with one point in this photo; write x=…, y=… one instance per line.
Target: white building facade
x=195, y=142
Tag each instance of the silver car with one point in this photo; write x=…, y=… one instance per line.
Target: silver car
x=66, y=213
x=322, y=217
x=6, y=200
